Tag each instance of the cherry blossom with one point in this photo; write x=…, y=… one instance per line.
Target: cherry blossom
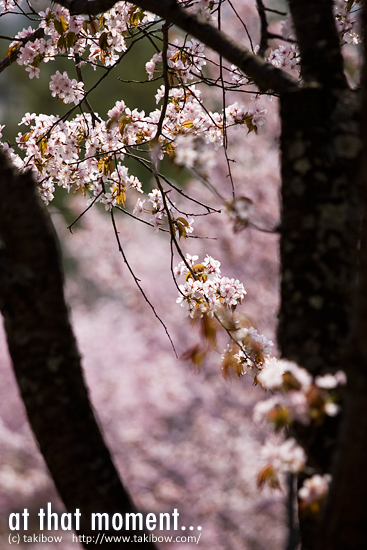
x=285, y=56
x=201, y=294
x=286, y=457
x=66, y=89
x=313, y=491
x=84, y=153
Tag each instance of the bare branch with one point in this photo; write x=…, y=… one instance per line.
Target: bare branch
x=243, y=24
x=137, y=281
x=165, y=28
x=84, y=212
x=225, y=136
x=85, y=99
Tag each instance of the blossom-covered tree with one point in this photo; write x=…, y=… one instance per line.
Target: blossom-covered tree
x=321, y=316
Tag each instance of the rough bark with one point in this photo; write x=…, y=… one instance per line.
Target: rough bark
x=318, y=42
x=344, y=525
x=320, y=147
x=345, y=518
x=321, y=209
x=46, y=360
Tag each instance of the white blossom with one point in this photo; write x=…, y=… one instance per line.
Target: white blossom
x=314, y=489
x=286, y=457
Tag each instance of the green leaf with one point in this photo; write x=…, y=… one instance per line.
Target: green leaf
x=70, y=39
x=93, y=25
x=103, y=41
x=59, y=27
x=183, y=221
x=136, y=16
x=250, y=125
x=61, y=43
x=101, y=21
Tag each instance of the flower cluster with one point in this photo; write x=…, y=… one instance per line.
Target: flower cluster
x=164, y=214
x=212, y=299
x=60, y=35
x=253, y=118
x=7, y=6
x=85, y=153
x=313, y=492
x=254, y=350
x=298, y=397
x=100, y=40
x=286, y=57
x=66, y=89
x=192, y=152
x=287, y=457
x=185, y=115
x=75, y=155
x=238, y=78
x=184, y=62
x=346, y=17
x=205, y=291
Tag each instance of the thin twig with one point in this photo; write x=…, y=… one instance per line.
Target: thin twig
x=137, y=282
x=243, y=24
x=165, y=28
x=161, y=228
x=146, y=165
x=279, y=37
x=11, y=39
x=155, y=146
x=224, y=129
x=283, y=13
x=78, y=59
x=84, y=211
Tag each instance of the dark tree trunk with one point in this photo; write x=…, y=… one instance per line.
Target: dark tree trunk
x=321, y=210
x=320, y=147
x=345, y=518
x=344, y=525
x=318, y=42
x=46, y=360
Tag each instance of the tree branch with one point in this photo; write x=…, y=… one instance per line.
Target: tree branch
x=10, y=59
x=264, y=75
x=46, y=360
